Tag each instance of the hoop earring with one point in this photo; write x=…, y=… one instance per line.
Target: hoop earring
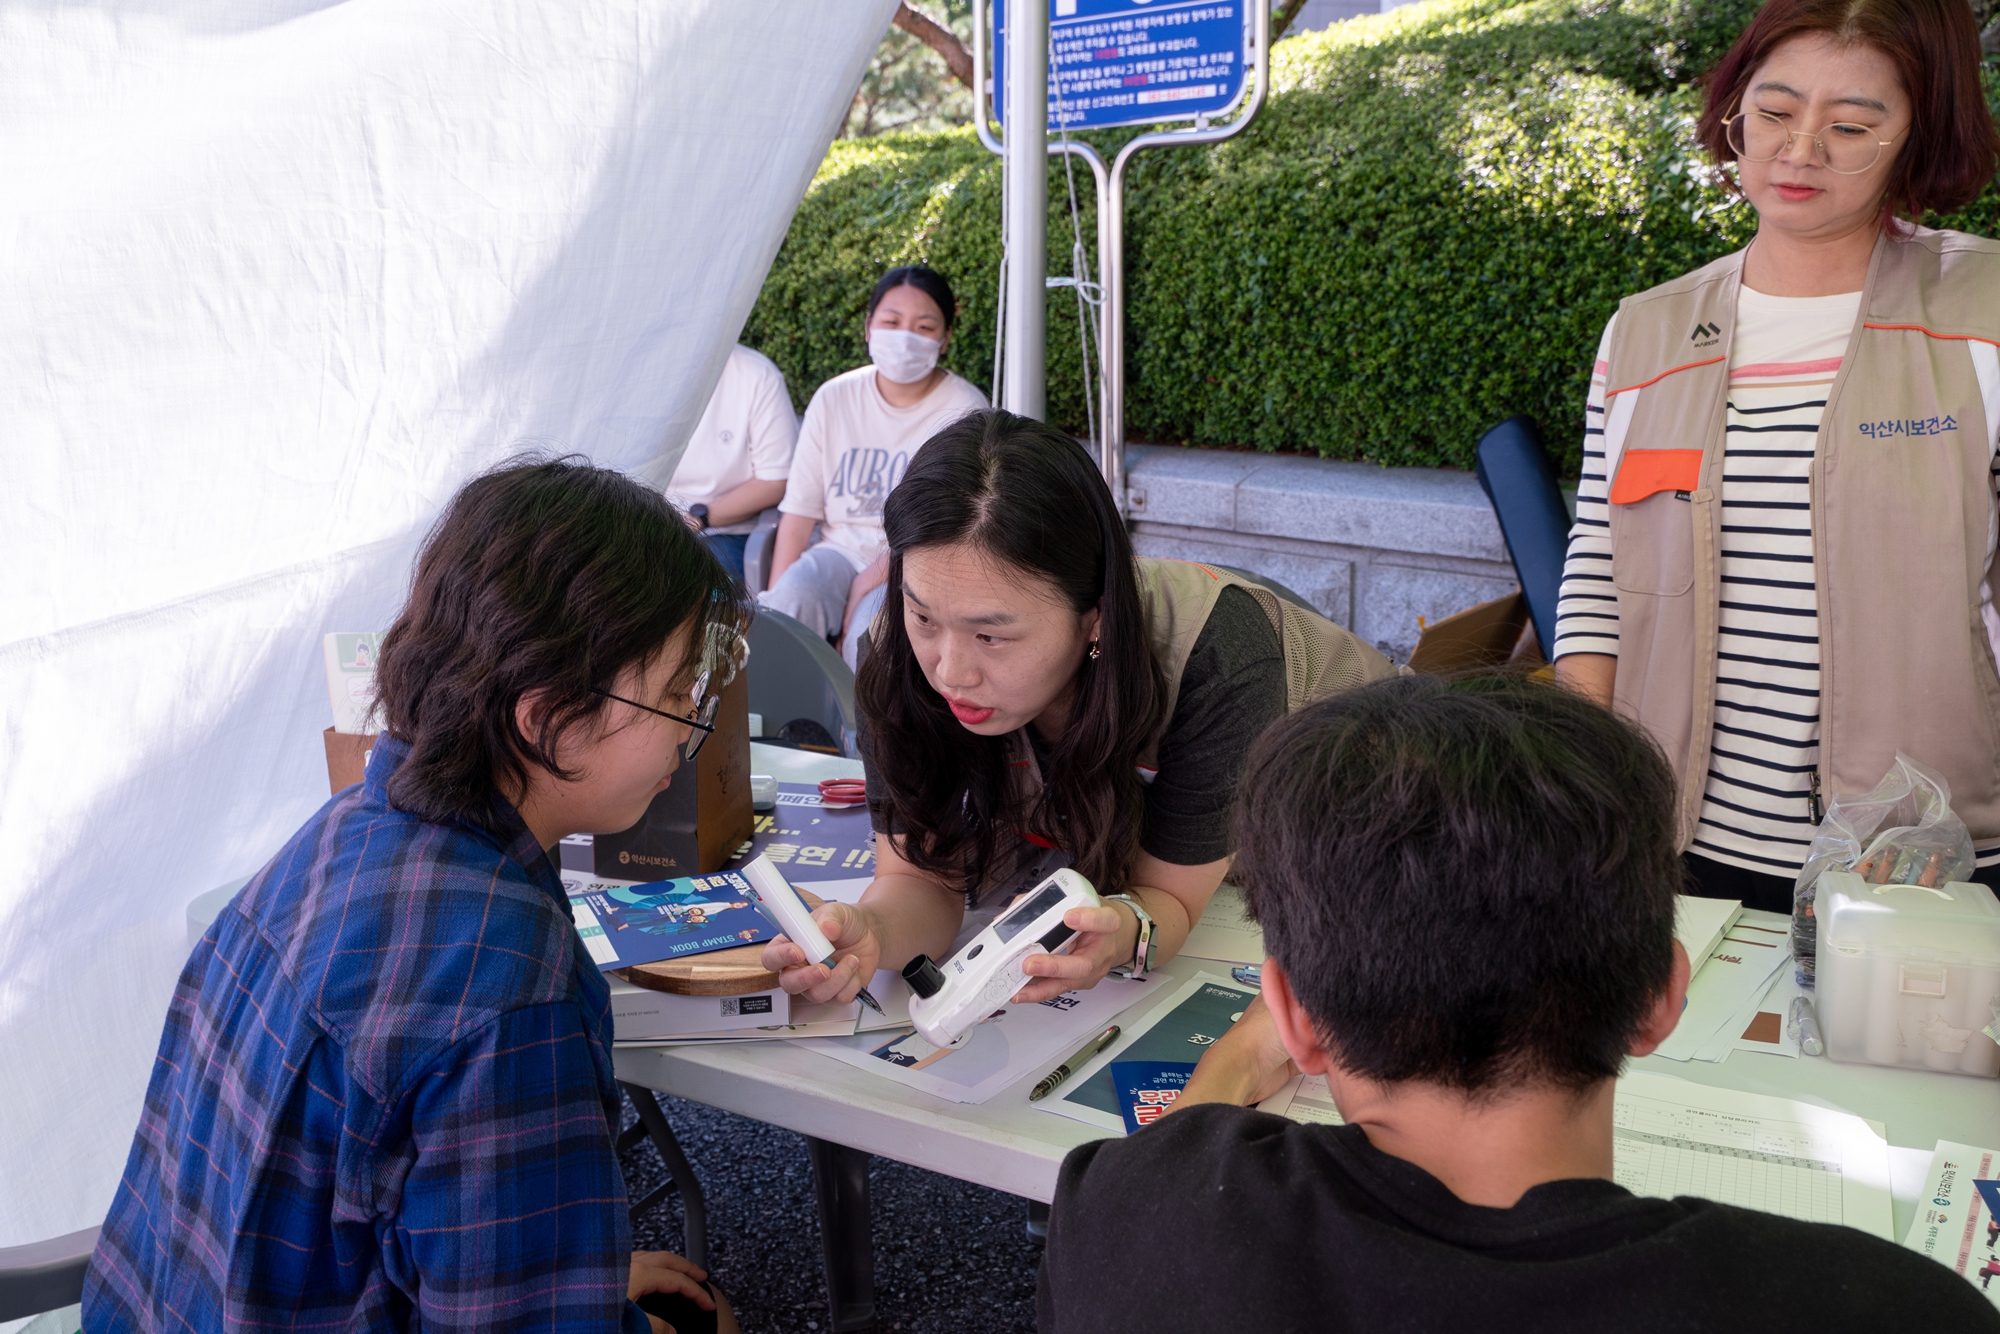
x=1094, y=654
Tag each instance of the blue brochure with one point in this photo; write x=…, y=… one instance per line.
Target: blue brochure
x=1189, y=1029
x=1147, y=1088
x=625, y=925
x=809, y=842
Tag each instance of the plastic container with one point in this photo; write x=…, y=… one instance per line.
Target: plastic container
x=1909, y=976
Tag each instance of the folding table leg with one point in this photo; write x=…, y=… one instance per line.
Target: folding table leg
x=841, y=1176
x=694, y=1210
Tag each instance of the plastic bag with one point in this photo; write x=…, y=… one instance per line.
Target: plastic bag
x=1924, y=844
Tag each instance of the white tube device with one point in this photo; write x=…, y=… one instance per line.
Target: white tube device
x=948, y=1001
x=779, y=902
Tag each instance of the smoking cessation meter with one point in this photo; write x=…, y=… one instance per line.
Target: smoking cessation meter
x=948, y=1001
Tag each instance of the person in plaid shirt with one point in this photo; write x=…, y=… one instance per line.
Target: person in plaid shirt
x=384, y=1097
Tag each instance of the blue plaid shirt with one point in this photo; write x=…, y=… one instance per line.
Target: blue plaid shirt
x=383, y=1099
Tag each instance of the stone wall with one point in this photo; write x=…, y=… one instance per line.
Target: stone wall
x=1373, y=548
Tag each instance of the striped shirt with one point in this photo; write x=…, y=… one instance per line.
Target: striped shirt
x=383, y=1099
x=1764, y=743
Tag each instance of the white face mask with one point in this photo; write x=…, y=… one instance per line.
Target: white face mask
x=903, y=356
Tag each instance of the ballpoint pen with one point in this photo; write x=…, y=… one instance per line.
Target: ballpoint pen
x=1074, y=1063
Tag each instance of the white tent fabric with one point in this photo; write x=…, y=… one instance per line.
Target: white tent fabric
x=275, y=277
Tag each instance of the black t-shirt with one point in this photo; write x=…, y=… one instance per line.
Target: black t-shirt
x=1232, y=688
x=1224, y=1218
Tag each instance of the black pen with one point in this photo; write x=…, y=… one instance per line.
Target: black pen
x=1073, y=1064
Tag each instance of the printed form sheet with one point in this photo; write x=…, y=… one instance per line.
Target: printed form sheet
x=1674, y=1137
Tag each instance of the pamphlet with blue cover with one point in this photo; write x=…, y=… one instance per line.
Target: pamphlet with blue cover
x=1179, y=1029
x=623, y=925
x=1147, y=1088
x=811, y=842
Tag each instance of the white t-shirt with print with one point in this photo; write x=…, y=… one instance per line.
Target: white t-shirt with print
x=854, y=447
x=748, y=431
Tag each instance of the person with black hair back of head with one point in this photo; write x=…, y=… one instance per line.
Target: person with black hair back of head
x=1467, y=889
x=855, y=443
x=384, y=1097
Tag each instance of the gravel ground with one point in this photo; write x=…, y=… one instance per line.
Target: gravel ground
x=950, y=1257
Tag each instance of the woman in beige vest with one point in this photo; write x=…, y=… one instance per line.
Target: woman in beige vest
x=1036, y=697
x=1783, y=562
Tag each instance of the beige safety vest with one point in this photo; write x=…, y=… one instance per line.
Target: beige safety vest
x=1902, y=495
x=1321, y=658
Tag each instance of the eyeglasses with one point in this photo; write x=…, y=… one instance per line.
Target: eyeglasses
x=702, y=720
x=723, y=653
x=1842, y=148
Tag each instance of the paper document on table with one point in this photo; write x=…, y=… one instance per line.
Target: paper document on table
x=1737, y=970
x=1014, y=1043
x=1306, y=1100
x=1225, y=930
x=1760, y=1026
x=777, y=1033
x=1675, y=1137
x=1179, y=1028
x=1958, y=1214
x=1699, y=923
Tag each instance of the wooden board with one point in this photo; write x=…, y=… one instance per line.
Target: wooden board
x=734, y=972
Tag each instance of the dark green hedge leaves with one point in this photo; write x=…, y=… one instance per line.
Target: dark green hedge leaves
x=1423, y=233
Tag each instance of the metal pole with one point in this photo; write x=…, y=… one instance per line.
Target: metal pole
x=1026, y=225
x=1111, y=243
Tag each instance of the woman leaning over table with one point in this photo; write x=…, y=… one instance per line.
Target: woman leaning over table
x=1783, y=560
x=1036, y=697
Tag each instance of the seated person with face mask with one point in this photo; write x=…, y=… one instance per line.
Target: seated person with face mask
x=1467, y=891
x=859, y=432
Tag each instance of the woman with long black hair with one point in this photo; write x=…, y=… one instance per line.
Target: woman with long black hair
x=1037, y=697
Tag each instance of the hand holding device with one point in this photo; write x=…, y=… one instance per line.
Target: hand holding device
x=987, y=973
x=777, y=900
x=1103, y=946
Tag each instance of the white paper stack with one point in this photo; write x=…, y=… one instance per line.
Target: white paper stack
x=1700, y=923
x=1729, y=982
x=1958, y=1215
x=1225, y=931
x=642, y=1013
x=804, y=1019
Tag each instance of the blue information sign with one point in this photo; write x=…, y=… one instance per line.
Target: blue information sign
x=1135, y=62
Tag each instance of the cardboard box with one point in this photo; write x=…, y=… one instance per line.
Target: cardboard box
x=347, y=757
x=699, y=822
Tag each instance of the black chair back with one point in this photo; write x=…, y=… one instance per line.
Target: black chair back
x=793, y=673
x=1515, y=472
x=44, y=1275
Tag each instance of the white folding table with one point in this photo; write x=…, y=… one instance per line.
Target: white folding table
x=1013, y=1146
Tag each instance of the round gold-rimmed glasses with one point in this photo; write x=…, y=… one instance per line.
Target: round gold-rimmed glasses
x=1842, y=148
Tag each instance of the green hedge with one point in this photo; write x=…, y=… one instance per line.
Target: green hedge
x=1424, y=232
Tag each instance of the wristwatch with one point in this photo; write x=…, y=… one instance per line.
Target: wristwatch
x=1142, y=952
x=699, y=513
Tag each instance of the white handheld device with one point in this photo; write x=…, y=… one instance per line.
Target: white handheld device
x=779, y=902
x=948, y=1001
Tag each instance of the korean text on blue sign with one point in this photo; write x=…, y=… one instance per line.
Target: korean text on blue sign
x=1135, y=62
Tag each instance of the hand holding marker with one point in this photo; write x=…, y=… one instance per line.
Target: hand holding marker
x=777, y=900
